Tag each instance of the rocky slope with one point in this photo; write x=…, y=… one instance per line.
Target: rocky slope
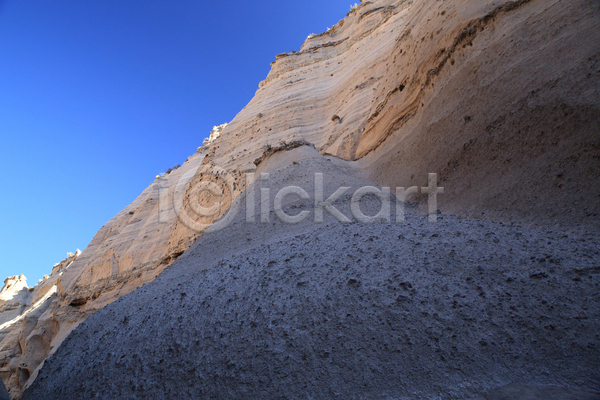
x=3, y=393
x=499, y=98
x=353, y=311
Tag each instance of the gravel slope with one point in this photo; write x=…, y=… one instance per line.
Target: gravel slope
x=3, y=392
x=414, y=310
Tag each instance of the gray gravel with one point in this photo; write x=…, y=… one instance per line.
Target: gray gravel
x=353, y=311
x=545, y=392
x=3, y=392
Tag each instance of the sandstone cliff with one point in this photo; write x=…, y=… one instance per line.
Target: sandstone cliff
x=498, y=97
x=27, y=327
x=128, y=251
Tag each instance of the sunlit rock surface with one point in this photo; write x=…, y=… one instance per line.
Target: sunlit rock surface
x=500, y=98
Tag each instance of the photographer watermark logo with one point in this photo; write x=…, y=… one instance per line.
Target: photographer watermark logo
x=204, y=201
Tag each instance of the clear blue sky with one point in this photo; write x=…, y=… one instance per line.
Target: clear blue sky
x=99, y=96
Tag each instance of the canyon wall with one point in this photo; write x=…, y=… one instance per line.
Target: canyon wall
x=500, y=98
x=128, y=251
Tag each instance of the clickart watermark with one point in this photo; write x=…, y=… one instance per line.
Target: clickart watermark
x=210, y=204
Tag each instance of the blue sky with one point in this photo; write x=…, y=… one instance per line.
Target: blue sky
x=99, y=96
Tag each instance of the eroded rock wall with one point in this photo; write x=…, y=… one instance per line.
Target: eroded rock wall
x=27, y=329
x=127, y=252
x=499, y=97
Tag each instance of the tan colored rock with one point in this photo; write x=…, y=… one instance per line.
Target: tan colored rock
x=465, y=89
x=214, y=135
x=498, y=97
x=14, y=297
x=26, y=332
x=129, y=251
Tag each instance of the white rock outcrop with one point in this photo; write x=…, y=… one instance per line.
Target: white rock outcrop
x=14, y=297
x=214, y=135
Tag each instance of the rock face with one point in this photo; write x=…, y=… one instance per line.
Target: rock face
x=214, y=135
x=14, y=297
x=128, y=251
x=27, y=330
x=500, y=98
